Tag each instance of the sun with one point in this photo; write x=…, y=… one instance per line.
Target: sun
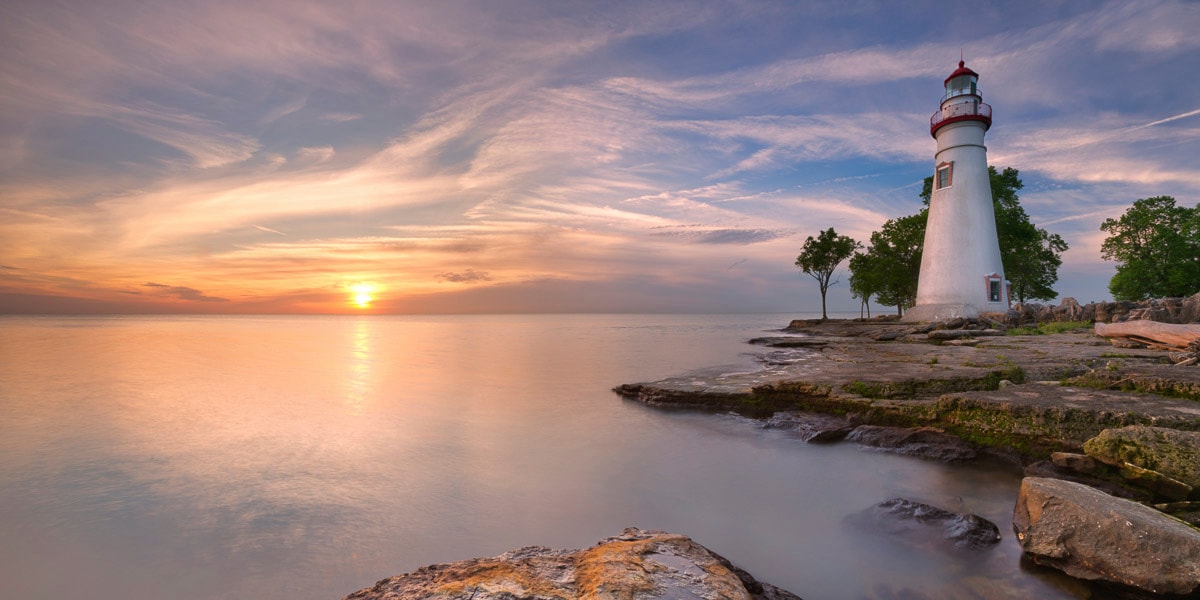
x=362, y=294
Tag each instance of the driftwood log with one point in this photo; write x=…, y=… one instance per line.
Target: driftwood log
x=1183, y=339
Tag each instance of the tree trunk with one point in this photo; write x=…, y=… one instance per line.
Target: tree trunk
x=1162, y=334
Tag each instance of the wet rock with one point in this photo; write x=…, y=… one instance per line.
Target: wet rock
x=923, y=524
x=638, y=564
x=811, y=427
x=923, y=442
x=1091, y=535
x=1171, y=452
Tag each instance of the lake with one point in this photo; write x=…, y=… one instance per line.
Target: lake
x=203, y=457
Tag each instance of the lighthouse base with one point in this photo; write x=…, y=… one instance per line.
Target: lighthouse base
x=940, y=312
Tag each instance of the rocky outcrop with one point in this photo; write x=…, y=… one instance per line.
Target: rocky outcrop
x=1091, y=535
x=920, y=524
x=636, y=565
x=1166, y=461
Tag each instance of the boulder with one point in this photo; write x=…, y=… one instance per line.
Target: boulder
x=1189, y=309
x=920, y=524
x=1171, y=452
x=1091, y=535
x=923, y=442
x=1068, y=310
x=638, y=564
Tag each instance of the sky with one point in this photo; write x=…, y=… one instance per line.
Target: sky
x=281, y=156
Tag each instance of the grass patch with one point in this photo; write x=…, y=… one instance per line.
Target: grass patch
x=1050, y=327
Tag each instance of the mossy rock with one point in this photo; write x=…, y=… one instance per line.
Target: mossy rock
x=1172, y=452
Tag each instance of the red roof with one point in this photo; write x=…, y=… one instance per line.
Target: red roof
x=961, y=70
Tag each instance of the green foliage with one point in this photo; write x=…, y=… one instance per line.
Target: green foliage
x=1031, y=256
x=891, y=265
x=1050, y=328
x=820, y=258
x=1158, y=247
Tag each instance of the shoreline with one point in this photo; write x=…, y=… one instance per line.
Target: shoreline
x=1026, y=395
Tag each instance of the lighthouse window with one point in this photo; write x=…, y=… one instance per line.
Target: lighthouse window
x=993, y=287
x=945, y=175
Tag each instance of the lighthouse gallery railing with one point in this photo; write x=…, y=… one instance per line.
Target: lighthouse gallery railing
x=961, y=111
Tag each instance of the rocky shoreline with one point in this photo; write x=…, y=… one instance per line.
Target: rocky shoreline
x=1108, y=435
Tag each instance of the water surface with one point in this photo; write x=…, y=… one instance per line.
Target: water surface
x=307, y=457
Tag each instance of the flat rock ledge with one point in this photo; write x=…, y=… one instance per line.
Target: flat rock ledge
x=636, y=565
x=1031, y=395
x=1091, y=535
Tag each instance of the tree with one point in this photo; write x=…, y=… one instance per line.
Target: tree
x=863, y=282
x=1158, y=247
x=820, y=258
x=891, y=265
x=1031, y=256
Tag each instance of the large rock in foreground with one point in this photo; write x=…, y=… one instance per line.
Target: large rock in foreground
x=1091, y=535
x=638, y=564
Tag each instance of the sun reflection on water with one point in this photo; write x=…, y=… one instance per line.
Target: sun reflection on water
x=358, y=382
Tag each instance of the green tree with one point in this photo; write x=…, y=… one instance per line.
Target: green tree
x=1031, y=256
x=892, y=263
x=820, y=258
x=863, y=282
x=1158, y=247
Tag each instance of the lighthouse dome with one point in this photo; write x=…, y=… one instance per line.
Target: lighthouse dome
x=962, y=82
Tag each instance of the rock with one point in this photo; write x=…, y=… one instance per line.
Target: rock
x=638, y=564
x=1189, y=309
x=920, y=523
x=1091, y=535
x=810, y=427
x=954, y=334
x=1068, y=310
x=923, y=442
x=1156, y=482
x=1076, y=462
x=1114, y=486
x=1171, y=452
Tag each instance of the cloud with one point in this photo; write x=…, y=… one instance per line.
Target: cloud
x=725, y=236
x=468, y=276
x=317, y=154
x=184, y=293
x=268, y=230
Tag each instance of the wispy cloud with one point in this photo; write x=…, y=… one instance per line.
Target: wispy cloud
x=184, y=293
x=468, y=276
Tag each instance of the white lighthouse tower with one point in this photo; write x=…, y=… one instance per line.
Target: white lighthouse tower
x=961, y=272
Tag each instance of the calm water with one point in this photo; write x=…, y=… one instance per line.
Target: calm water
x=307, y=457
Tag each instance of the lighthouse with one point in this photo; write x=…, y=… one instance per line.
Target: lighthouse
x=961, y=273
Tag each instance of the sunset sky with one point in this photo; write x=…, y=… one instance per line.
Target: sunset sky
x=505, y=156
